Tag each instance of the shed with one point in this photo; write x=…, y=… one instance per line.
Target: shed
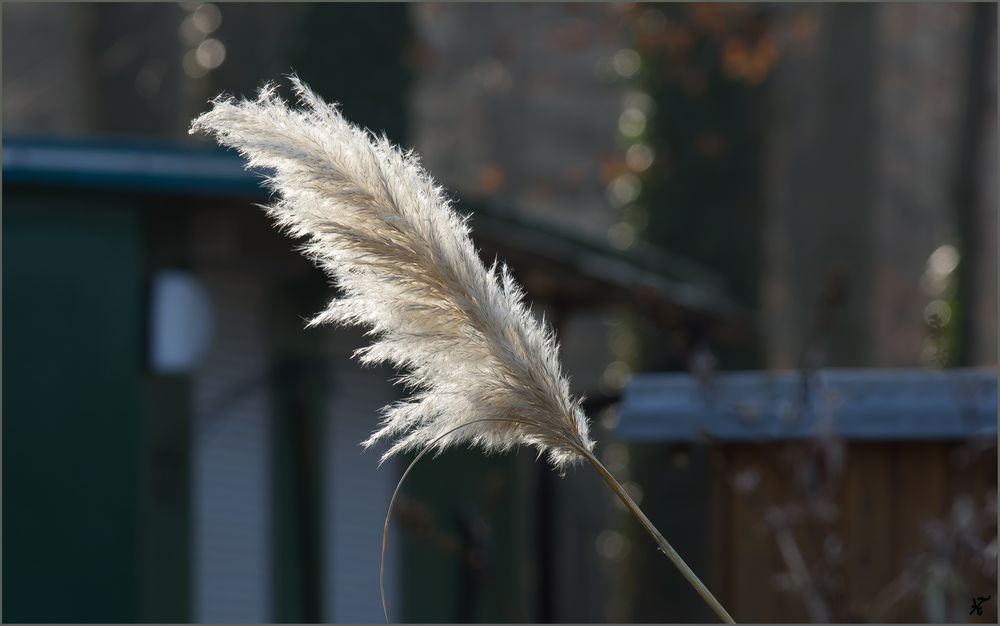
x=240, y=500
x=865, y=469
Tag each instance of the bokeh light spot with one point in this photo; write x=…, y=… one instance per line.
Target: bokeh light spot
x=626, y=63
x=210, y=53
x=632, y=122
x=943, y=260
x=621, y=236
x=624, y=189
x=639, y=157
x=937, y=313
x=616, y=375
x=192, y=67
x=206, y=18
x=611, y=545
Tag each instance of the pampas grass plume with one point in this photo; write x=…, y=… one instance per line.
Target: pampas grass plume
x=482, y=369
x=381, y=228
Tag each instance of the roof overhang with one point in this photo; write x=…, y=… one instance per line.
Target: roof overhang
x=857, y=404
x=561, y=266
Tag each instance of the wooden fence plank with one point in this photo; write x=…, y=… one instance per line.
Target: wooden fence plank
x=919, y=482
x=719, y=516
x=752, y=553
x=787, y=605
x=974, y=475
x=867, y=525
x=887, y=493
x=808, y=532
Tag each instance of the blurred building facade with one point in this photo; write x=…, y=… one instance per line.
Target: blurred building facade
x=247, y=486
x=912, y=112
x=834, y=165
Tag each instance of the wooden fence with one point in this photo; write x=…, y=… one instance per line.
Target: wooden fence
x=883, y=499
x=881, y=509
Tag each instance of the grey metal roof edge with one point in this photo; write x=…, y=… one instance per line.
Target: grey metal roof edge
x=700, y=291
x=641, y=253
x=858, y=404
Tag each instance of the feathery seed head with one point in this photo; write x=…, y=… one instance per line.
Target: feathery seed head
x=377, y=223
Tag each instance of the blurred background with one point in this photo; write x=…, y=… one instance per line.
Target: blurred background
x=685, y=190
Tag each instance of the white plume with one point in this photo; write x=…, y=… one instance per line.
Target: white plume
x=379, y=226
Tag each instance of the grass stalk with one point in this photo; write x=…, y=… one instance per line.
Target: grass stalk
x=615, y=486
x=660, y=540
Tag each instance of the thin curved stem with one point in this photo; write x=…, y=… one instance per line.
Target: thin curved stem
x=399, y=485
x=615, y=486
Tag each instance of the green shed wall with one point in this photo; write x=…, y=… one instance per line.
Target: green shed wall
x=72, y=311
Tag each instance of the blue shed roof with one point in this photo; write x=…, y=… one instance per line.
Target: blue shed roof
x=141, y=165
x=860, y=404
